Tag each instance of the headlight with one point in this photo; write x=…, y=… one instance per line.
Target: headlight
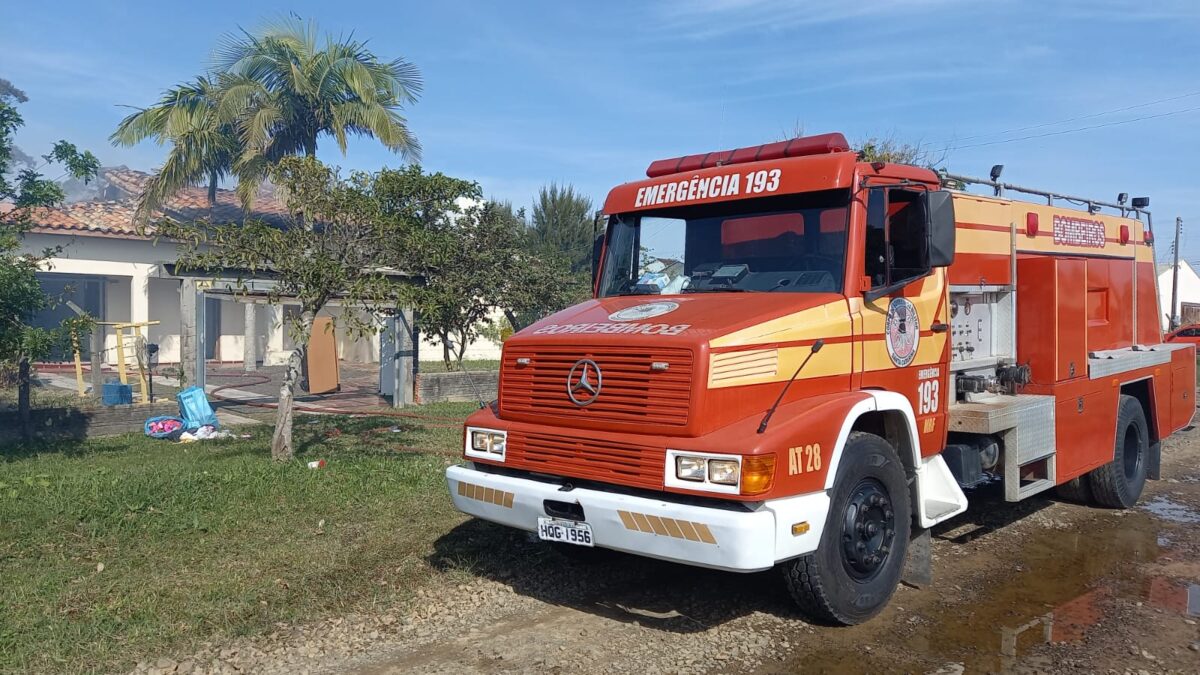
x=486, y=444
x=723, y=471
x=690, y=468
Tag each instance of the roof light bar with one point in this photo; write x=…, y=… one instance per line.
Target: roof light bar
x=820, y=144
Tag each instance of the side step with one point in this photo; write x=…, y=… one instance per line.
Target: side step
x=941, y=498
x=1025, y=425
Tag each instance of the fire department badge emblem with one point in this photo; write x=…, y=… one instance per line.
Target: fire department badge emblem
x=646, y=311
x=902, y=331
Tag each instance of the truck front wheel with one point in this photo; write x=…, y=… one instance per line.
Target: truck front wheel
x=857, y=565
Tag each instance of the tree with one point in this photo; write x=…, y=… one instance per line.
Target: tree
x=473, y=257
x=283, y=90
x=21, y=295
x=562, y=224
x=892, y=151
x=203, y=148
x=329, y=251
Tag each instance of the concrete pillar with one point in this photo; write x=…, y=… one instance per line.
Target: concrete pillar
x=403, y=389
x=139, y=295
x=276, y=354
x=191, y=332
x=250, y=339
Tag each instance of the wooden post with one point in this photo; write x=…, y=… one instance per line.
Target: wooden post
x=121, y=374
x=97, y=360
x=403, y=394
x=23, y=404
x=250, y=339
x=78, y=365
x=189, y=339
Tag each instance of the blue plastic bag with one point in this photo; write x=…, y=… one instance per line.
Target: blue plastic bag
x=194, y=409
x=164, y=427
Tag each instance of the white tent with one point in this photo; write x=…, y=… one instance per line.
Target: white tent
x=1189, y=290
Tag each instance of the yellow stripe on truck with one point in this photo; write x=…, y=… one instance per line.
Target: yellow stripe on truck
x=667, y=527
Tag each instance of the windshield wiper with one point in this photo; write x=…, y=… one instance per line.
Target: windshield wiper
x=714, y=289
x=634, y=291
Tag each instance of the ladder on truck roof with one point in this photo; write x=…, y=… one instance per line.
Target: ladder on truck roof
x=1137, y=208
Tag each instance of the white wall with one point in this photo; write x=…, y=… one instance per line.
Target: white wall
x=119, y=259
x=164, y=308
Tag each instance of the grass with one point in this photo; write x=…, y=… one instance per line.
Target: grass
x=41, y=397
x=123, y=548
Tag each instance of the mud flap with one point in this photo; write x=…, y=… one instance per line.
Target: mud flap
x=1154, y=461
x=918, y=566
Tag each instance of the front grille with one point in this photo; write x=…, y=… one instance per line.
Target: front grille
x=632, y=390
x=598, y=460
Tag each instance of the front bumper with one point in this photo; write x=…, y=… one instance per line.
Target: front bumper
x=739, y=540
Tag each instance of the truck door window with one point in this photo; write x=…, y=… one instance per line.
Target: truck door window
x=896, y=238
x=793, y=243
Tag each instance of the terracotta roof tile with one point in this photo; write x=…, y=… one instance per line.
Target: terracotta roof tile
x=115, y=217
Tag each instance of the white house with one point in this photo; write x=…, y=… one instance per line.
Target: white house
x=117, y=275
x=1187, y=306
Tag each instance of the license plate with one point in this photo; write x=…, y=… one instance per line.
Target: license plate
x=565, y=531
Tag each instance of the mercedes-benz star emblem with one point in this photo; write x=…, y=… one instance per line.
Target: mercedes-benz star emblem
x=584, y=382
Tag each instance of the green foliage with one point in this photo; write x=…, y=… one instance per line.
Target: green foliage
x=21, y=295
x=272, y=94
x=889, y=150
x=284, y=89
x=330, y=249
x=562, y=224
x=473, y=257
x=203, y=148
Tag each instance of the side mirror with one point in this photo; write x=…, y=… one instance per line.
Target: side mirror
x=940, y=207
x=597, y=251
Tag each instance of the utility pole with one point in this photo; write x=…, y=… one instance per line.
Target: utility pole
x=1175, y=277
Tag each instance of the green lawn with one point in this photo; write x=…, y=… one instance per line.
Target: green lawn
x=122, y=548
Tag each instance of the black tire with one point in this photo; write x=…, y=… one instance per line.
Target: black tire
x=839, y=583
x=1119, y=483
x=1076, y=490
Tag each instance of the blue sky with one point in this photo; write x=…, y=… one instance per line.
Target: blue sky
x=521, y=94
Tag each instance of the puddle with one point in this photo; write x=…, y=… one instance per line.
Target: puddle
x=1168, y=510
x=1056, y=589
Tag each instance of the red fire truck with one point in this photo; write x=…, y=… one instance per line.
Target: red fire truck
x=832, y=351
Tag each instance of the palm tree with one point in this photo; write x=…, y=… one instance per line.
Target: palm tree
x=283, y=90
x=203, y=149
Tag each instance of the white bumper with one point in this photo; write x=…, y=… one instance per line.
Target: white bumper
x=733, y=539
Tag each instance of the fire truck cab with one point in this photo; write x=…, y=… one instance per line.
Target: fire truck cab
x=797, y=359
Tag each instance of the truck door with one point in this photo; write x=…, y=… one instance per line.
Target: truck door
x=904, y=332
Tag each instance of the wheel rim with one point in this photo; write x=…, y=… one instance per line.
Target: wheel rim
x=1131, y=451
x=868, y=528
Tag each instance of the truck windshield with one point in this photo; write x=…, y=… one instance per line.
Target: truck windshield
x=786, y=244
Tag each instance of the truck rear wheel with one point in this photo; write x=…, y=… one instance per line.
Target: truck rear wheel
x=857, y=565
x=1076, y=490
x=1119, y=483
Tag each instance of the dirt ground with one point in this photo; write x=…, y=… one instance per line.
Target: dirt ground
x=1040, y=586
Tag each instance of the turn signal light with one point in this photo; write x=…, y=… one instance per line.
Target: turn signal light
x=757, y=473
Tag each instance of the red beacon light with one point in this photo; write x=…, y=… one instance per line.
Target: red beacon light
x=820, y=144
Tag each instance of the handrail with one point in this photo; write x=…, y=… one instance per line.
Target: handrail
x=999, y=188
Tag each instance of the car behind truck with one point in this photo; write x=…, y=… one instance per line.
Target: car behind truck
x=797, y=359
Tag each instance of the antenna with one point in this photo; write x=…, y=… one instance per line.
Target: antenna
x=771, y=411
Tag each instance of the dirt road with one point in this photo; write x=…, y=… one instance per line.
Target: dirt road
x=1040, y=586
